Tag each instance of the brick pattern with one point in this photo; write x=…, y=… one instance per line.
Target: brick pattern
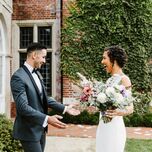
x=64, y=8
x=89, y=131
x=13, y=110
x=34, y=9
x=67, y=88
x=67, y=84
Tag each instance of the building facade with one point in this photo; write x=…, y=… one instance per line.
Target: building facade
x=21, y=23
x=38, y=21
x=5, y=55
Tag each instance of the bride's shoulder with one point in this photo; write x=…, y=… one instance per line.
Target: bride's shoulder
x=125, y=80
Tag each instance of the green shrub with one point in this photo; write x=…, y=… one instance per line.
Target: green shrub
x=147, y=120
x=127, y=121
x=7, y=142
x=86, y=118
x=136, y=120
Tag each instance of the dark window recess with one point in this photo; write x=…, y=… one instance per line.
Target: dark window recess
x=46, y=71
x=26, y=36
x=45, y=36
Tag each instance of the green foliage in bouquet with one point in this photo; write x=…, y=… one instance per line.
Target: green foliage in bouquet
x=96, y=24
x=7, y=142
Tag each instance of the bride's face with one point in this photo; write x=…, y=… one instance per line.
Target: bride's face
x=108, y=66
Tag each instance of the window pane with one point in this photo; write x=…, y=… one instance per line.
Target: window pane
x=22, y=58
x=26, y=36
x=45, y=36
x=46, y=71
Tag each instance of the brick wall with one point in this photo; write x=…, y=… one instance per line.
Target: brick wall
x=67, y=84
x=33, y=9
x=13, y=110
x=64, y=8
x=67, y=88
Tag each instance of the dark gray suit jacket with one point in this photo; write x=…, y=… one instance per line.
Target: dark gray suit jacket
x=31, y=110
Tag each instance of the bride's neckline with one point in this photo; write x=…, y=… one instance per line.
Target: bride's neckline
x=118, y=74
x=114, y=79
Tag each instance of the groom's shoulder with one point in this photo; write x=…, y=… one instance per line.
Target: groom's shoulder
x=18, y=71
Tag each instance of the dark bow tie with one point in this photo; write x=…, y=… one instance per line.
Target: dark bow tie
x=34, y=70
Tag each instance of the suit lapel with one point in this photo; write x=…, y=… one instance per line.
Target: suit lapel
x=42, y=83
x=44, y=90
x=32, y=80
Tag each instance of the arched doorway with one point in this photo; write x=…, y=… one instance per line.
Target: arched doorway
x=2, y=66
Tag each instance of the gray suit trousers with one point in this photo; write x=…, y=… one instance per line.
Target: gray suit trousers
x=34, y=146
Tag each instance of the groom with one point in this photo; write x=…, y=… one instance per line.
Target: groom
x=32, y=103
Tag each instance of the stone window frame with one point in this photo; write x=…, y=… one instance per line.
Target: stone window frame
x=16, y=24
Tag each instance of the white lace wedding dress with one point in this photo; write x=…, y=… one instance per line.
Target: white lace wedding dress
x=111, y=136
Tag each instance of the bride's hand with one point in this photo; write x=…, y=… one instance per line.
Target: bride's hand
x=113, y=113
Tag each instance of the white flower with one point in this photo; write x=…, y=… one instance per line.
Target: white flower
x=110, y=91
x=129, y=93
x=120, y=87
x=101, y=97
x=85, y=83
x=119, y=98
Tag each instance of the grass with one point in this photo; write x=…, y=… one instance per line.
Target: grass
x=138, y=145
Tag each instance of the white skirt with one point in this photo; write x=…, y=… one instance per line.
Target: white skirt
x=111, y=136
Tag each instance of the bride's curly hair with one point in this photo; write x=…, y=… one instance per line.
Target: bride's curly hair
x=117, y=54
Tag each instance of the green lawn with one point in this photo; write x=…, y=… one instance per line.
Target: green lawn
x=138, y=145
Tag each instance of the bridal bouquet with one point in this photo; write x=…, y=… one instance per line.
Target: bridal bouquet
x=104, y=97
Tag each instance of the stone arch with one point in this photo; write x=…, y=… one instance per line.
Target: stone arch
x=2, y=63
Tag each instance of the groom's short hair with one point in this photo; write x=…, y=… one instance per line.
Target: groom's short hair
x=35, y=47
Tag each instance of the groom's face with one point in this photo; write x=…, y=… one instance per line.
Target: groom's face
x=40, y=58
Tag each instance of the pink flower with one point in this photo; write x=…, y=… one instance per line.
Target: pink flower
x=84, y=97
x=87, y=90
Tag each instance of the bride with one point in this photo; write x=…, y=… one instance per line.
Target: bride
x=111, y=136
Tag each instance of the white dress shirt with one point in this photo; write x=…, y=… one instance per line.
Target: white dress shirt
x=35, y=77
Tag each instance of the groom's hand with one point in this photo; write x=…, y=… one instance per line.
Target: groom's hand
x=71, y=110
x=54, y=121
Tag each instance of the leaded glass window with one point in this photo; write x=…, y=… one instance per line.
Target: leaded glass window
x=26, y=36
x=45, y=36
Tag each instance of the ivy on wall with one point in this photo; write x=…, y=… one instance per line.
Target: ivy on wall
x=96, y=24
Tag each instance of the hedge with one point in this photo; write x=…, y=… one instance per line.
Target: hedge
x=7, y=142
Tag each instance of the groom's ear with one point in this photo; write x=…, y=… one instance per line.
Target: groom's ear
x=34, y=54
